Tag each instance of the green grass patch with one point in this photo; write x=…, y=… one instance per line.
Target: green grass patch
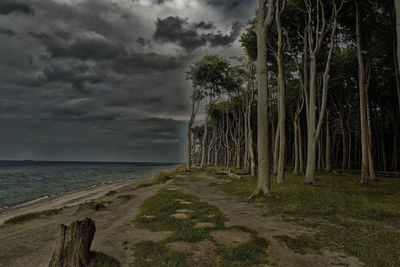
x=152, y=254
x=162, y=176
x=165, y=203
x=32, y=215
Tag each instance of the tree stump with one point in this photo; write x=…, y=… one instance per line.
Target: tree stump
x=73, y=244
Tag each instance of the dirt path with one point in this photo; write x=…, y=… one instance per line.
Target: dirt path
x=240, y=212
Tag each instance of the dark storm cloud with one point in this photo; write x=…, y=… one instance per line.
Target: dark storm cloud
x=87, y=82
x=180, y=31
x=147, y=62
x=231, y=4
x=77, y=74
x=7, y=32
x=12, y=6
x=83, y=48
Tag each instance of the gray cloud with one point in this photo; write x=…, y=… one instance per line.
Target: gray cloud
x=182, y=32
x=11, y=6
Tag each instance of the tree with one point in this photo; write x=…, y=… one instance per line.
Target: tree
x=280, y=6
x=265, y=14
x=211, y=74
x=367, y=164
x=317, y=28
x=196, y=97
x=397, y=11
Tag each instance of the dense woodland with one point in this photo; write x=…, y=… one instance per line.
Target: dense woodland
x=318, y=88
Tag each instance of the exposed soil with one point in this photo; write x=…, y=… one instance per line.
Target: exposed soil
x=230, y=238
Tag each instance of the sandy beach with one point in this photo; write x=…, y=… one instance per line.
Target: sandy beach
x=70, y=199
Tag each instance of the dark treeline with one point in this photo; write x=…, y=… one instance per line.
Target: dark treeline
x=318, y=89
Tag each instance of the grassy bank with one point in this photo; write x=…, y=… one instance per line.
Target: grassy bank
x=363, y=221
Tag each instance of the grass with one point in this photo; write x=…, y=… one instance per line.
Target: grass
x=162, y=176
x=145, y=184
x=152, y=254
x=247, y=254
x=166, y=203
x=32, y=215
x=155, y=215
x=349, y=217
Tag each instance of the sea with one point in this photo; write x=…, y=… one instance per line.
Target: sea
x=26, y=182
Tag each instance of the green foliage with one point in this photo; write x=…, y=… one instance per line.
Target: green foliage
x=32, y=215
x=248, y=41
x=212, y=76
x=149, y=254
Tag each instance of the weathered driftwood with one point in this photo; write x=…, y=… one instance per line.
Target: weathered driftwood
x=73, y=244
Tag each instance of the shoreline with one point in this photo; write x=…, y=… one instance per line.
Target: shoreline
x=56, y=195
x=68, y=199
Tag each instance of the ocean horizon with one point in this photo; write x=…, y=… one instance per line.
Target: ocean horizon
x=24, y=182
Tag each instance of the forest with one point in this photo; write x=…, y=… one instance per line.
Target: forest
x=316, y=89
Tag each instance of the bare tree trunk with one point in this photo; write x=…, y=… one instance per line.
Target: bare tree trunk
x=349, y=160
x=205, y=133
x=296, y=167
x=397, y=9
x=371, y=164
x=281, y=92
x=276, y=148
x=195, y=107
x=301, y=158
x=328, y=163
x=363, y=104
x=344, y=143
x=314, y=128
x=396, y=144
x=264, y=20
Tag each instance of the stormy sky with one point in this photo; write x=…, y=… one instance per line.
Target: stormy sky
x=104, y=79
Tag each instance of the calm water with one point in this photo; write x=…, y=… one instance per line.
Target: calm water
x=22, y=182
